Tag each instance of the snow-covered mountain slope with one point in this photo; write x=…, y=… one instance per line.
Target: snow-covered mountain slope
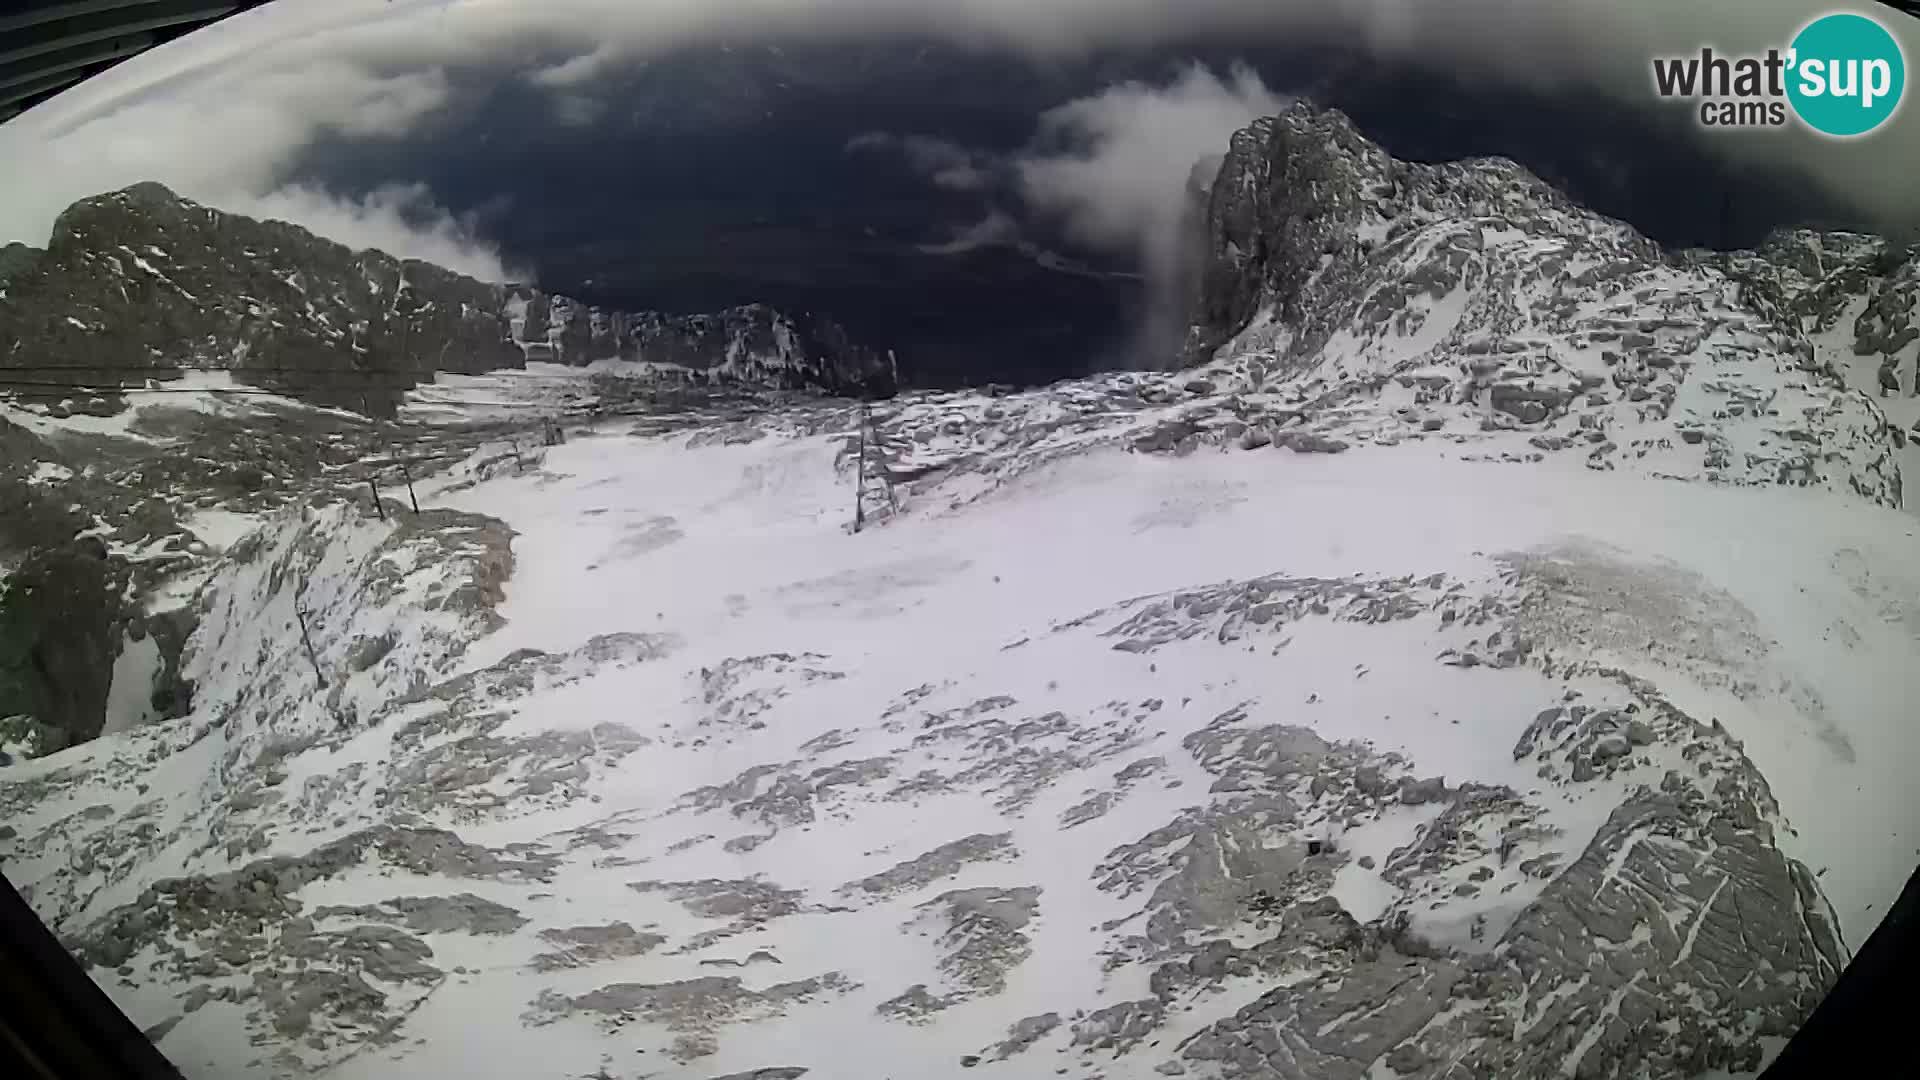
x=1220, y=763
x=1493, y=658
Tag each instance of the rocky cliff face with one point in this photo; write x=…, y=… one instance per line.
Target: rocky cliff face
x=751, y=345
x=141, y=283
x=1856, y=297
x=1366, y=282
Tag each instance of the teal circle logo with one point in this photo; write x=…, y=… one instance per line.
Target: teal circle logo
x=1846, y=75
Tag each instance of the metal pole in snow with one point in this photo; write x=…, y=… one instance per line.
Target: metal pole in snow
x=377, y=508
x=408, y=475
x=300, y=612
x=860, y=473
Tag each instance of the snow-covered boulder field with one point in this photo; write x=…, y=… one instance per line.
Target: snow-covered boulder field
x=1243, y=764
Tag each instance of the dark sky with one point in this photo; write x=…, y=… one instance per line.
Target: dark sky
x=721, y=176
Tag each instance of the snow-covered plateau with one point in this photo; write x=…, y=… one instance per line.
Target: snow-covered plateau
x=1517, y=684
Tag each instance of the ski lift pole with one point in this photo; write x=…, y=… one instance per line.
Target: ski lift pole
x=300, y=612
x=860, y=473
x=407, y=475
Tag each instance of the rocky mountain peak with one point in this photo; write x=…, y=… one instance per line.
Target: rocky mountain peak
x=1355, y=280
x=148, y=203
x=1303, y=201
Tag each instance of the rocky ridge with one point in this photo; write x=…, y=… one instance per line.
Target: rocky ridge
x=141, y=283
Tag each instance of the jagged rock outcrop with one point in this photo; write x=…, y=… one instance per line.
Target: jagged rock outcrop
x=14, y=258
x=58, y=632
x=1306, y=214
x=141, y=283
x=1857, y=294
x=750, y=345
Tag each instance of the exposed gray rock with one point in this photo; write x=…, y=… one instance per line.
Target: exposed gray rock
x=1022, y=1034
x=1612, y=746
x=981, y=940
x=1673, y=991
x=1416, y=792
x=914, y=1005
x=577, y=946
x=1093, y=807
x=695, y=1008
x=461, y=913
x=1307, y=442
x=61, y=610
x=943, y=861
x=221, y=906
x=748, y=903
x=1119, y=1027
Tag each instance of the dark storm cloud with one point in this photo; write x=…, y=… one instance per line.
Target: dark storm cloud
x=222, y=113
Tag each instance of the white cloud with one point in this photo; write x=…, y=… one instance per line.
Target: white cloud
x=390, y=217
x=947, y=164
x=221, y=113
x=1117, y=169
x=226, y=138
x=583, y=68
x=997, y=229
x=1115, y=166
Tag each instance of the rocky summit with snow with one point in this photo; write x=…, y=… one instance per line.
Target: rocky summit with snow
x=1489, y=655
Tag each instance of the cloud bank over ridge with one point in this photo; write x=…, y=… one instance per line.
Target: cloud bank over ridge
x=222, y=115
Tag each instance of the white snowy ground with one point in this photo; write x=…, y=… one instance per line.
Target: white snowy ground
x=743, y=551
x=918, y=757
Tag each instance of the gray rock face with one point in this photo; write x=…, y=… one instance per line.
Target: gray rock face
x=982, y=937
x=16, y=258
x=141, y=280
x=1284, y=227
x=694, y=1008
x=578, y=946
x=465, y=913
x=59, y=633
x=1606, y=1012
x=1022, y=1034
x=943, y=861
x=1283, y=197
